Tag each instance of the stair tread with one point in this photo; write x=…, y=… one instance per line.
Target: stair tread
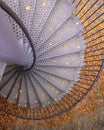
x=60, y=13
x=63, y=72
x=42, y=12
x=42, y=94
x=13, y=95
x=49, y=88
x=62, y=35
x=60, y=83
x=71, y=60
x=7, y=86
x=33, y=99
x=73, y=45
x=27, y=9
x=2, y=69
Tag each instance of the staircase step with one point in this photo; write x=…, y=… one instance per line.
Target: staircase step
x=70, y=60
x=22, y=97
x=60, y=13
x=33, y=99
x=8, y=76
x=73, y=45
x=49, y=88
x=42, y=12
x=9, y=84
x=63, y=72
x=62, y=34
x=2, y=69
x=42, y=93
x=27, y=8
x=14, y=93
x=60, y=83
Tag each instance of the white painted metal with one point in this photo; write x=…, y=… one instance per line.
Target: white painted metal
x=10, y=49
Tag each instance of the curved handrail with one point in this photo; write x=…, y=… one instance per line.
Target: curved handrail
x=8, y=10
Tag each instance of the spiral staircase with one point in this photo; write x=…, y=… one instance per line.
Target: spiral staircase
x=51, y=55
